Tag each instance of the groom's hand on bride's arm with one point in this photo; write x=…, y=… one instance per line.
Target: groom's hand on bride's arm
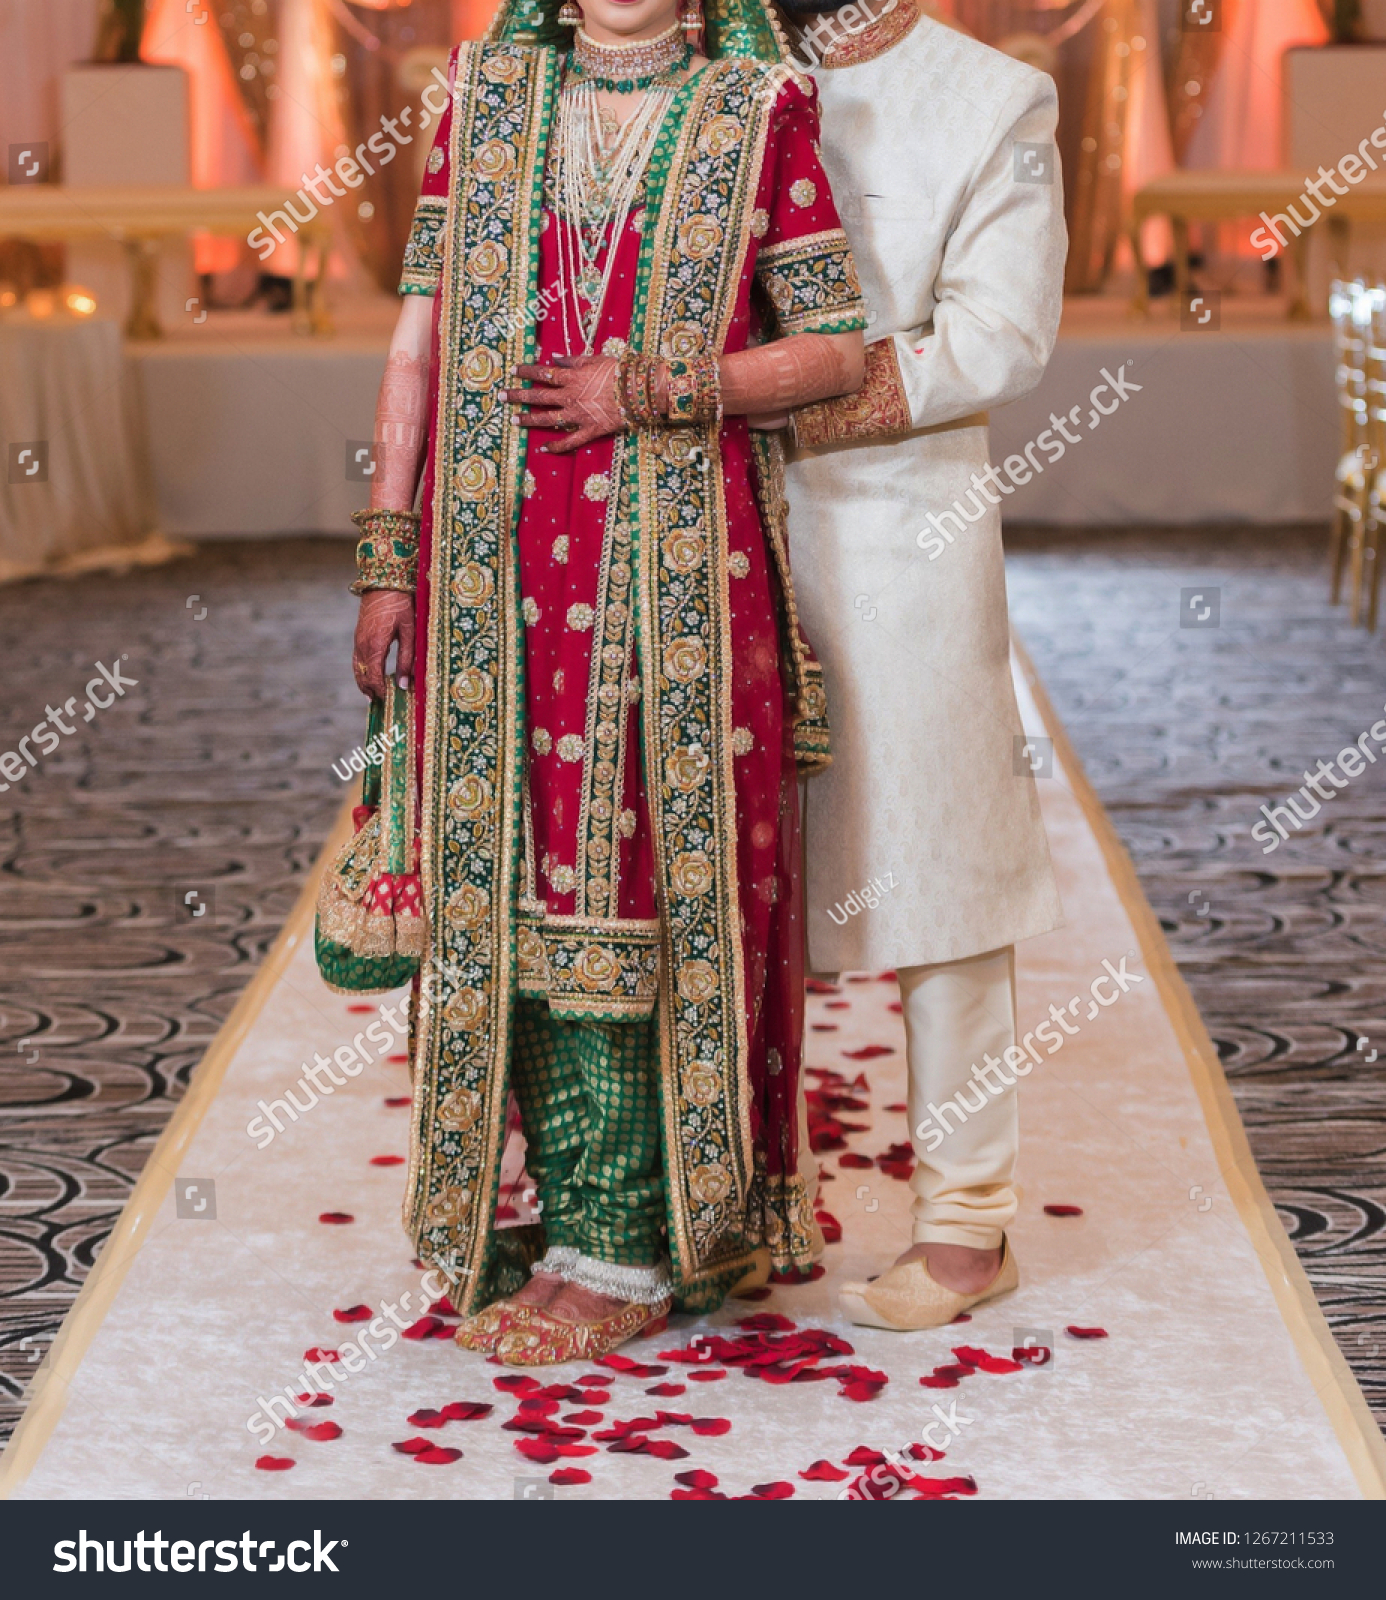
x=575, y=394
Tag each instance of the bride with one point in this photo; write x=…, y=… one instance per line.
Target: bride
x=625, y=247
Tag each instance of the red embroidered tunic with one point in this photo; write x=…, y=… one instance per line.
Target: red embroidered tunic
x=590, y=854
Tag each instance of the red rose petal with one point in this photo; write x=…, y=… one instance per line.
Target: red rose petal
x=939, y=1383
x=830, y=1226
x=667, y=1391
x=860, y=1391
x=711, y=1427
x=353, y=1314
x=399, y=1058
x=818, y=986
x=517, y=1383
x=824, y=1027
x=443, y=1308
x=823, y=1472
x=274, y=1463
x=897, y=1105
x=836, y=1005
x=313, y=1399
x=321, y=1432
x=540, y=1451
x=584, y=1419
x=411, y=1447
x=696, y=1478
x=705, y=1377
x=772, y=1491
x=387, y=1161
x=399, y=1100
x=360, y=1010
x=336, y=1216
x=424, y=1328
x=565, y=1477
x=467, y=1410
x=317, y=1353
x=576, y=1449
x=438, y=1455
x=934, y=1488
x=863, y=1456
x=1085, y=1333
x=869, y=1052
x=852, y=1159
x=665, y=1449
x=426, y=1417
x=1063, y=1211
x=767, y=1322
x=975, y=1357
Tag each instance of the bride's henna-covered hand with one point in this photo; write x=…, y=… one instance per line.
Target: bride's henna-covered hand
x=570, y=392
x=792, y=372
x=386, y=615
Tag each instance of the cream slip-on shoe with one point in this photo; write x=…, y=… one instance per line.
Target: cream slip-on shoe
x=906, y=1299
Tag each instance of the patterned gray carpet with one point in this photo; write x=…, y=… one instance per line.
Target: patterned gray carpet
x=1186, y=732
x=212, y=778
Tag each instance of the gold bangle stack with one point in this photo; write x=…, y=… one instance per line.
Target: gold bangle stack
x=636, y=392
x=387, y=556
x=695, y=391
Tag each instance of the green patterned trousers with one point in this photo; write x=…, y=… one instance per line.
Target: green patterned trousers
x=589, y=1101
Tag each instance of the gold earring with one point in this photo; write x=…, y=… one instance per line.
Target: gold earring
x=692, y=23
x=569, y=15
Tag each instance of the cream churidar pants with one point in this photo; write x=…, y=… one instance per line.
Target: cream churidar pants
x=964, y=1128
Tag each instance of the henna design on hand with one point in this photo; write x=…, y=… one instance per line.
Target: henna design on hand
x=386, y=616
x=577, y=393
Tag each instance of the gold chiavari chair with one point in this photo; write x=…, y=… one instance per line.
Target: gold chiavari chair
x=1366, y=582
x=1347, y=308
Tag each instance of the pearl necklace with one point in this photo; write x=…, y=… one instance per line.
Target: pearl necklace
x=601, y=168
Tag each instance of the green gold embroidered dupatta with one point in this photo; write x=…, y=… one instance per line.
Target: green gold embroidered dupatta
x=701, y=188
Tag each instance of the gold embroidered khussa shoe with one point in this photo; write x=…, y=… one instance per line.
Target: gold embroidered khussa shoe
x=907, y=1299
x=481, y=1332
x=547, y=1341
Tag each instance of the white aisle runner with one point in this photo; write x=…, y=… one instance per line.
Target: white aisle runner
x=1195, y=1371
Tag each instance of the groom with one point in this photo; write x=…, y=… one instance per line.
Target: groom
x=941, y=153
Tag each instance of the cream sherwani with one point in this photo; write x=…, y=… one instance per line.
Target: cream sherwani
x=925, y=848
x=962, y=267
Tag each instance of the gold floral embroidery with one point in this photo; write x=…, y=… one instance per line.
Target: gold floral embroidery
x=597, y=487
x=760, y=223
x=530, y=486
x=435, y=160
x=743, y=741
x=542, y=740
x=812, y=283
x=529, y=609
x=738, y=563
x=803, y=191
x=423, y=255
x=570, y=747
x=879, y=409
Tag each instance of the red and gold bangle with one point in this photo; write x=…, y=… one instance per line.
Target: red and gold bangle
x=387, y=556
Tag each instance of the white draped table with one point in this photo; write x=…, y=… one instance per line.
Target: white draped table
x=74, y=483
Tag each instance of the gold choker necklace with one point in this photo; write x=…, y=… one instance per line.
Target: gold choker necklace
x=640, y=58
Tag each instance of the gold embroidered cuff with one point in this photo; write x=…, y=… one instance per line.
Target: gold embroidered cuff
x=423, y=255
x=813, y=285
x=880, y=409
x=387, y=556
